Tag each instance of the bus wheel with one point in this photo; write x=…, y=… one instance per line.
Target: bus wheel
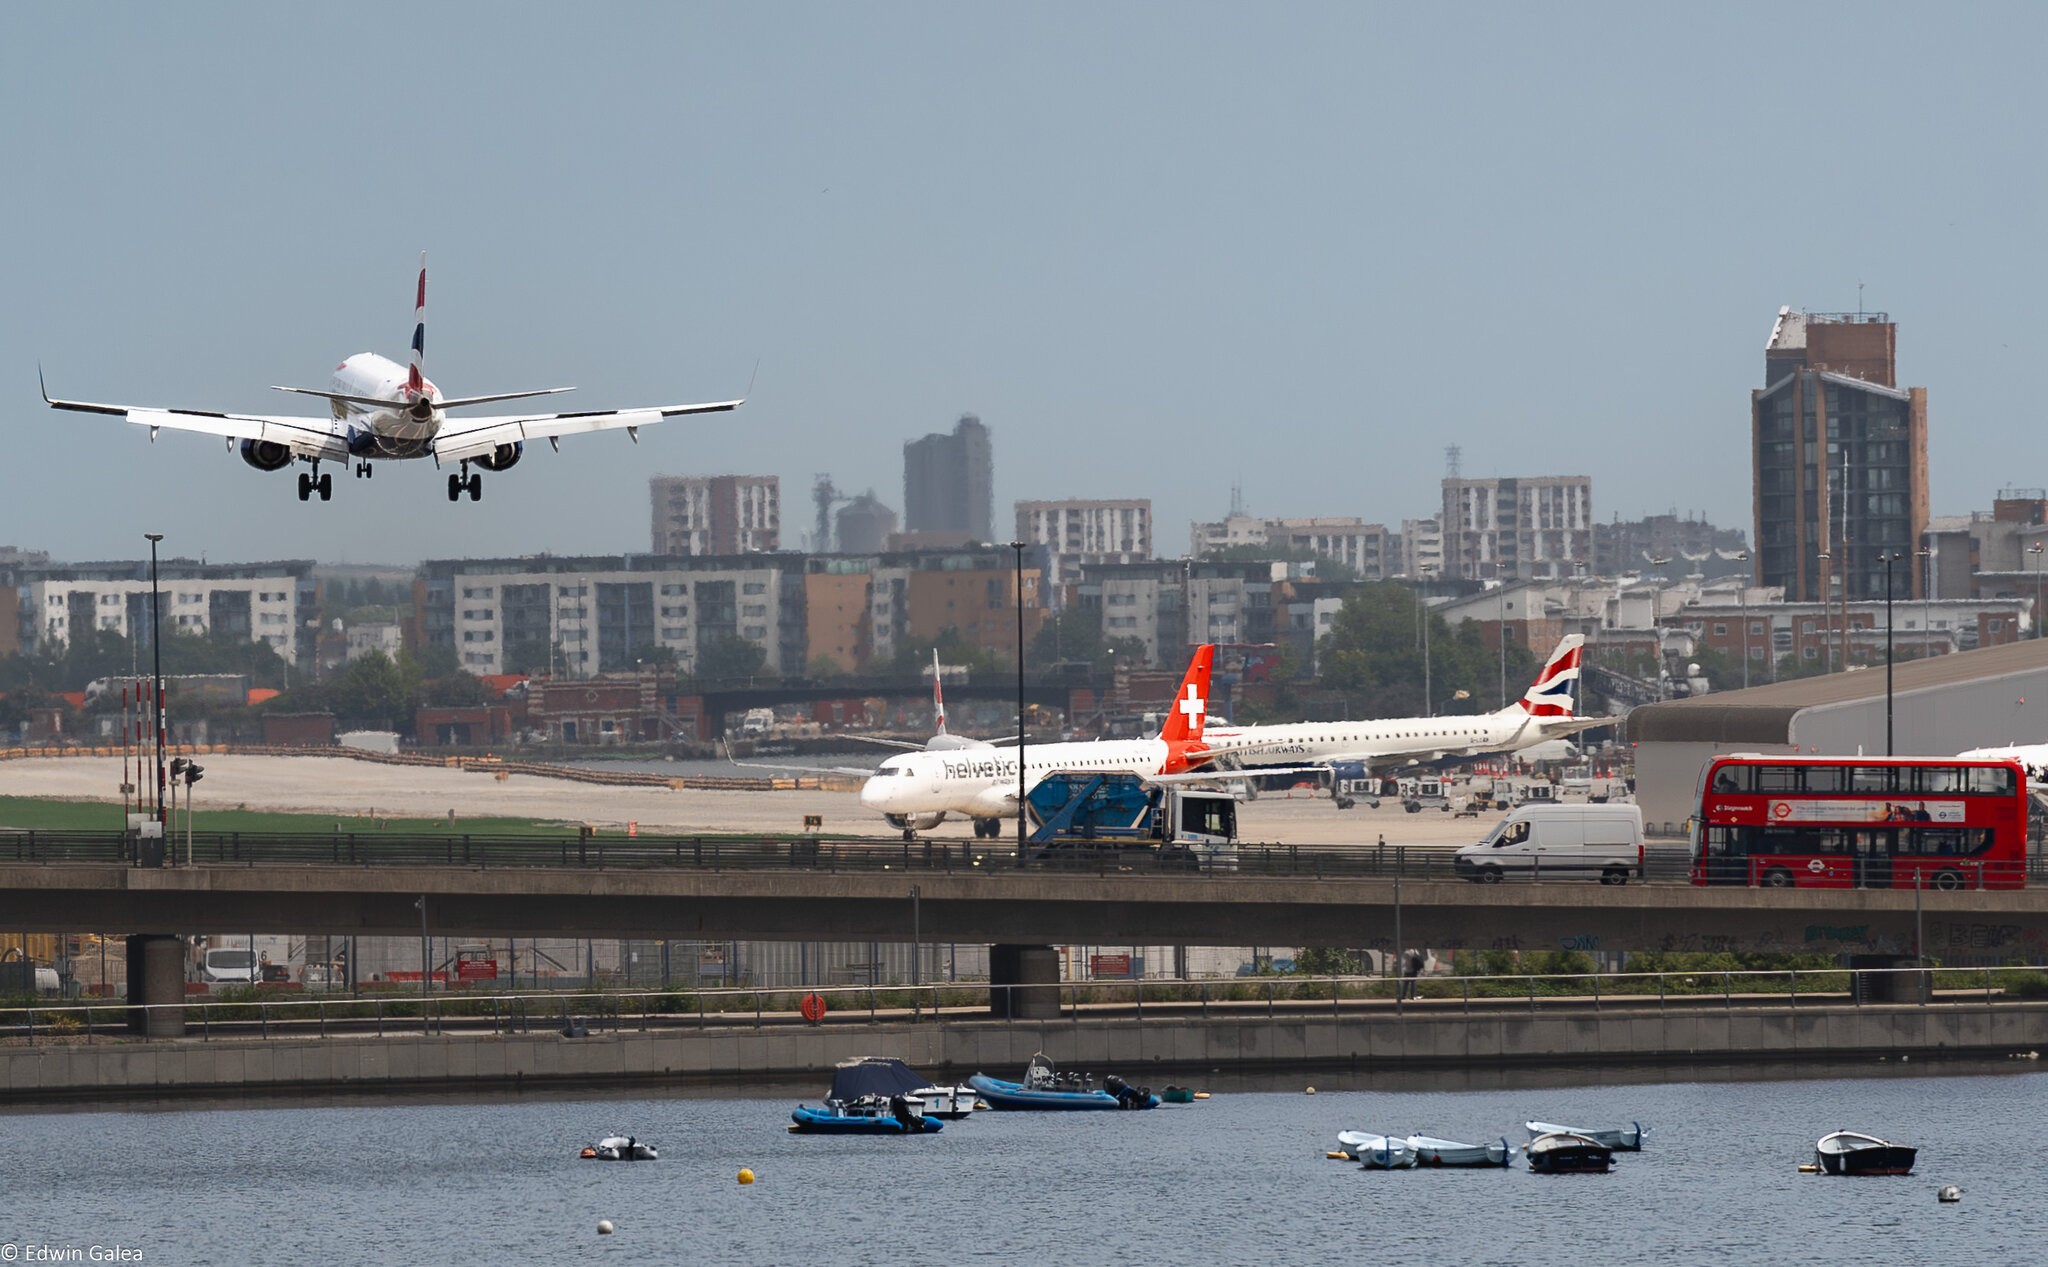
x=1777, y=878
x=1948, y=880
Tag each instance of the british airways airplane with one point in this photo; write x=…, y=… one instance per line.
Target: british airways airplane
x=1544, y=712
x=380, y=410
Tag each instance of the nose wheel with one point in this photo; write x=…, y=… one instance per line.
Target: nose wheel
x=465, y=482
x=315, y=482
x=362, y=470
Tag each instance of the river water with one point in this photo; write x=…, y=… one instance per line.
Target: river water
x=1240, y=1178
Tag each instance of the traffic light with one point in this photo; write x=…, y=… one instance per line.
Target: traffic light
x=193, y=773
x=178, y=765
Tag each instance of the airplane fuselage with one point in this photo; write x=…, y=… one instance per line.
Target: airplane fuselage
x=1388, y=740
x=405, y=430
x=983, y=782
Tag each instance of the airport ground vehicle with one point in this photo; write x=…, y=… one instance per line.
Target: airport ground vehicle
x=1861, y=822
x=1084, y=815
x=1603, y=842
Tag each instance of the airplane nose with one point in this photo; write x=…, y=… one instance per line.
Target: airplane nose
x=871, y=794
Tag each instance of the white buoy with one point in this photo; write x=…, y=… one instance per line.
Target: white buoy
x=1311, y=1091
x=1949, y=1192
x=604, y=1227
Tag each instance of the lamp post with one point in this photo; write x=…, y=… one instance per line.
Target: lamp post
x=1926, y=600
x=1827, y=618
x=2035, y=550
x=1742, y=605
x=1888, y=558
x=1018, y=546
x=156, y=646
x=1423, y=611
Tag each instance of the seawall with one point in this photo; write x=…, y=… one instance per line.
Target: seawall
x=70, y=1069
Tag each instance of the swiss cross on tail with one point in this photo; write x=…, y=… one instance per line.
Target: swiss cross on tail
x=1182, y=731
x=1550, y=695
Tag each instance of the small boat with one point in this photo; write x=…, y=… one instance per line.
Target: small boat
x=619, y=1148
x=1568, y=1153
x=1177, y=1095
x=865, y=1115
x=1620, y=1139
x=1852, y=1153
x=948, y=1104
x=1044, y=1088
x=878, y=1095
x=1377, y=1152
x=1431, y=1151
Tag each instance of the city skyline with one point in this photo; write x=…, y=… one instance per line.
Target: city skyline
x=1298, y=251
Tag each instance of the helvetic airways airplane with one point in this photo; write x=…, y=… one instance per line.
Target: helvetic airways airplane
x=1543, y=713
x=383, y=410
x=916, y=790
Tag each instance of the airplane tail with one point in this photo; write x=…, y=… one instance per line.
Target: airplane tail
x=416, y=378
x=1550, y=695
x=1191, y=703
x=938, y=694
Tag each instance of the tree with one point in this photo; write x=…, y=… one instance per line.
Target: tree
x=728, y=657
x=1326, y=961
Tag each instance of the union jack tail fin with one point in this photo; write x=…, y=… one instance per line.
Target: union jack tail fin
x=938, y=693
x=1550, y=695
x=416, y=378
x=1190, y=708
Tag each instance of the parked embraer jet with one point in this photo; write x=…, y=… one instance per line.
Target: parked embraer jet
x=385, y=411
x=1544, y=712
x=916, y=790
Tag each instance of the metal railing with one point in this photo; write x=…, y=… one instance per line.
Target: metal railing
x=1291, y=997
x=812, y=852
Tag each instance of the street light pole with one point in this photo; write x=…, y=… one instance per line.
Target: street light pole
x=1022, y=815
x=1827, y=616
x=1889, y=557
x=2035, y=550
x=1742, y=602
x=1427, y=710
x=156, y=646
x=1926, y=601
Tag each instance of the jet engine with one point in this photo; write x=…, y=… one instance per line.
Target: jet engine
x=502, y=457
x=915, y=822
x=266, y=455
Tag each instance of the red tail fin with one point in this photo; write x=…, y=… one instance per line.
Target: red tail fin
x=1190, y=709
x=415, y=375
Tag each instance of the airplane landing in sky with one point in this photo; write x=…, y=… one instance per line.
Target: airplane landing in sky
x=380, y=410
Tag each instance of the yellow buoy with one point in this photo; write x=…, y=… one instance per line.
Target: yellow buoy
x=746, y=1176
x=1340, y=1156
x=1809, y=1168
x=1201, y=1095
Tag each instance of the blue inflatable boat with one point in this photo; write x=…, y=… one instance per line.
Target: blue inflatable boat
x=1044, y=1089
x=862, y=1117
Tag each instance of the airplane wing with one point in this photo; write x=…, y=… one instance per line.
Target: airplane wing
x=856, y=771
x=472, y=437
x=305, y=437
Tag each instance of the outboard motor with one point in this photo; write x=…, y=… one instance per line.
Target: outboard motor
x=900, y=1106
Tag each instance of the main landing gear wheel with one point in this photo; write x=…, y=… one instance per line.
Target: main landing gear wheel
x=362, y=470
x=310, y=484
x=473, y=484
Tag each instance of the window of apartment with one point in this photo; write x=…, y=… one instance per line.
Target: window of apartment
x=756, y=632
x=754, y=587
x=1808, y=653
x=675, y=613
x=481, y=591
x=1720, y=629
x=110, y=600
x=672, y=631
x=671, y=591
x=477, y=613
x=754, y=609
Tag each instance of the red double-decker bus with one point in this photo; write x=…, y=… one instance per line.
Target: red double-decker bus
x=1861, y=822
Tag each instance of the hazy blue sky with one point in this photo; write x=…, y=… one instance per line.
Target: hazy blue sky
x=1158, y=248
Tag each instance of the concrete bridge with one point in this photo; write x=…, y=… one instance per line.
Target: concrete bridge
x=1020, y=906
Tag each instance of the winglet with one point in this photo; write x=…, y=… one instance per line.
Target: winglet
x=41, y=386
x=415, y=378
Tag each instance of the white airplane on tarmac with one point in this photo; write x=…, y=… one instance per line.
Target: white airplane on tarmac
x=2033, y=758
x=385, y=411
x=1545, y=712
x=915, y=791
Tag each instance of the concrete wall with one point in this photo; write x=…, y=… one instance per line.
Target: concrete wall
x=1141, y=1050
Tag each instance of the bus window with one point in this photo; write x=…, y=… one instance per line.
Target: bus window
x=1777, y=778
x=1826, y=778
x=1938, y=779
x=1732, y=778
x=1989, y=780
x=1870, y=778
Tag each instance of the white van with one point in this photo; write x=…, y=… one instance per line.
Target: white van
x=1558, y=840
x=227, y=965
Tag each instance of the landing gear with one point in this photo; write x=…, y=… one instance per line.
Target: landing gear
x=315, y=483
x=473, y=484
x=362, y=470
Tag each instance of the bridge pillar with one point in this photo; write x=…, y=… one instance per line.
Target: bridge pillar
x=1024, y=982
x=156, y=975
